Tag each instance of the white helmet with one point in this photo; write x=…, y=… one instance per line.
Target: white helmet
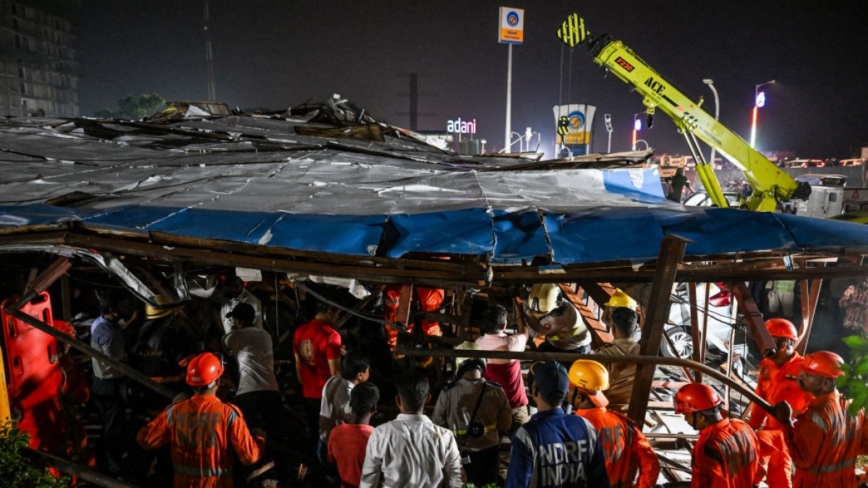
x=544, y=297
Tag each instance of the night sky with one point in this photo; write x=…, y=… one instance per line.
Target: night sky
x=275, y=54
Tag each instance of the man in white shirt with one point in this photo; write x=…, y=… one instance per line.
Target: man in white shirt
x=335, y=407
x=233, y=294
x=411, y=450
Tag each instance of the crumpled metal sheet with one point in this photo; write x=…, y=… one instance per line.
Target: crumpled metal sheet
x=255, y=181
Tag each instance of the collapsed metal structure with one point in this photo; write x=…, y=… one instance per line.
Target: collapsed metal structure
x=325, y=190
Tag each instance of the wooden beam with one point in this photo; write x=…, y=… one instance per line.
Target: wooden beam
x=695, y=334
x=403, y=315
x=671, y=252
x=754, y=320
x=600, y=333
x=810, y=298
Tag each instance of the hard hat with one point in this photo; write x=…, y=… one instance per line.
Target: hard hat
x=621, y=299
x=544, y=297
x=204, y=369
x=782, y=328
x=696, y=397
x=823, y=363
x=589, y=375
x=152, y=312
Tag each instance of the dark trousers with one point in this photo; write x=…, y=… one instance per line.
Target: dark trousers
x=110, y=399
x=264, y=410
x=311, y=408
x=483, y=467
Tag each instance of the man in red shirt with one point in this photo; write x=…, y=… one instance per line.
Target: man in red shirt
x=207, y=435
x=727, y=453
x=317, y=349
x=825, y=439
x=626, y=449
x=777, y=383
x=347, y=442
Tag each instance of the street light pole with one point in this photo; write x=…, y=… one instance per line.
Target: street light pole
x=637, y=126
x=758, y=102
x=710, y=84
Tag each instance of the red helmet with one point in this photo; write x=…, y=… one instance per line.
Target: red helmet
x=696, y=397
x=204, y=369
x=782, y=328
x=823, y=363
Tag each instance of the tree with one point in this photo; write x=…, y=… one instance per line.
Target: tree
x=133, y=107
x=15, y=468
x=854, y=382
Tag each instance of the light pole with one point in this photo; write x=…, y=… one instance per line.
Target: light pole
x=608, y=119
x=637, y=126
x=759, y=100
x=710, y=84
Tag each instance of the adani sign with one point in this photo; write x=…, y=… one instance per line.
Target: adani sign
x=459, y=126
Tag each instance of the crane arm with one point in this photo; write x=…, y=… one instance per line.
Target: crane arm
x=770, y=184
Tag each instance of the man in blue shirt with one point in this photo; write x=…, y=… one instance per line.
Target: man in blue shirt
x=555, y=449
x=109, y=383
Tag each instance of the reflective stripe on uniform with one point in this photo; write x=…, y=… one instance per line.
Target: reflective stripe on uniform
x=202, y=472
x=488, y=428
x=831, y=468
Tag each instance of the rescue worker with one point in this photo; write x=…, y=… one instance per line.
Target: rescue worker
x=430, y=300
x=619, y=299
x=554, y=449
x=778, y=382
x=549, y=315
x=624, y=322
x=825, y=439
x=626, y=449
x=727, y=452
x=207, y=436
x=477, y=412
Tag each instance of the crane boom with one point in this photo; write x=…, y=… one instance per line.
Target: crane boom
x=770, y=184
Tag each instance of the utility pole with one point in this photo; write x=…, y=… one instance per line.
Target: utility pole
x=414, y=96
x=209, y=59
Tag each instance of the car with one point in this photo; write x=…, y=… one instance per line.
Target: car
x=822, y=179
x=804, y=163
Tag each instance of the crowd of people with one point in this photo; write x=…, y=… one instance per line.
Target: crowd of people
x=563, y=426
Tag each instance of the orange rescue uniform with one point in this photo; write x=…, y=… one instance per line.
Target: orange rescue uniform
x=824, y=443
x=777, y=384
x=625, y=448
x=726, y=456
x=430, y=300
x=207, y=437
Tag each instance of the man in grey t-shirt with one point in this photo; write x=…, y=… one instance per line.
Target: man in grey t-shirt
x=257, y=396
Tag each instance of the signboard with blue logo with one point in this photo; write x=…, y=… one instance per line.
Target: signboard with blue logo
x=574, y=123
x=511, y=26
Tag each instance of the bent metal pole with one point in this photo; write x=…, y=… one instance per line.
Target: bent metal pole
x=602, y=358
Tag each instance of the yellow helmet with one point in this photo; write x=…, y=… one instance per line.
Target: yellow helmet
x=589, y=375
x=621, y=299
x=544, y=297
x=152, y=312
